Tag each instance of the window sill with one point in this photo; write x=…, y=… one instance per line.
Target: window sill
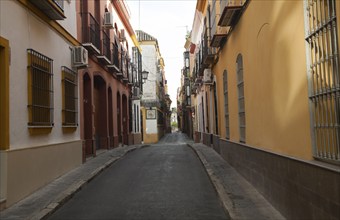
x=36, y=130
x=69, y=128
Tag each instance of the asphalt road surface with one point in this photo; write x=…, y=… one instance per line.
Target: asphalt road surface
x=163, y=181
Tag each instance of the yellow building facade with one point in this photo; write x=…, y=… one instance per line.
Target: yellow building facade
x=276, y=81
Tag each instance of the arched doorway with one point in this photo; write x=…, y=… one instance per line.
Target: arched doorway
x=87, y=106
x=125, y=113
x=100, y=113
x=119, y=122
x=110, y=115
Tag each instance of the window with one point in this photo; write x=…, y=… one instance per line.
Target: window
x=241, y=102
x=135, y=118
x=324, y=78
x=70, y=98
x=138, y=119
x=226, y=104
x=40, y=89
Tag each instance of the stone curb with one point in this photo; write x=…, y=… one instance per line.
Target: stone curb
x=74, y=188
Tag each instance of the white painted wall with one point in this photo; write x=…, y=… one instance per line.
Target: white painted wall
x=151, y=126
x=120, y=25
x=149, y=58
x=70, y=22
x=26, y=31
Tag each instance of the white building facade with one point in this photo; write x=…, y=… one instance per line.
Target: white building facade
x=153, y=89
x=40, y=137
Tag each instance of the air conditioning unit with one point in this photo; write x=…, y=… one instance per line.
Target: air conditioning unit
x=108, y=20
x=207, y=77
x=122, y=35
x=80, y=56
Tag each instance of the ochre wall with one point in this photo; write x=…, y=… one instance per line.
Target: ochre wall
x=338, y=17
x=270, y=37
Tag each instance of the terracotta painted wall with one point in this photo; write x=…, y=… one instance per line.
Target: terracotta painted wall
x=270, y=37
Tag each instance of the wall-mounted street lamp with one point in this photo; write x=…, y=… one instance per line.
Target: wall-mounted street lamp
x=145, y=75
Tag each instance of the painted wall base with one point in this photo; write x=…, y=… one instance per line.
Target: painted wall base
x=298, y=189
x=115, y=141
x=137, y=138
x=150, y=138
x=26, y=170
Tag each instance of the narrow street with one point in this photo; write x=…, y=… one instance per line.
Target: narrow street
x=162, y=181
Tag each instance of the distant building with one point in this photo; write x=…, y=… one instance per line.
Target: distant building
x=174, y=119
x=174, y=115
x=155, y=100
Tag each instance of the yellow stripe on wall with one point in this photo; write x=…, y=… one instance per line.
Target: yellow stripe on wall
x=4, y=94
x=136, y=43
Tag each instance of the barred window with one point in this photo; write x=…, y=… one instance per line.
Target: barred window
x=138, y=119
x=70, y=97
x=226, y=104
x=241, y=102
x=323, y=78
x=40, y=89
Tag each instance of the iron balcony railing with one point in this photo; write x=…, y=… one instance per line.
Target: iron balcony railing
x=124, y=64
x=91, y=30
x=116, y=55
x=106, y=45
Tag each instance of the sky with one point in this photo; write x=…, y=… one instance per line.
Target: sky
x=168, y=21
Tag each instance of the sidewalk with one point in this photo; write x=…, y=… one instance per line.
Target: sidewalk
x=238, y=197
x=45, y=200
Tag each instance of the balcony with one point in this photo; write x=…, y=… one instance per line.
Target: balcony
x=54, y=9
x=230, y=12
x=230, y=15
x=132, y=74
x=135, y=93
x=218, y=39
x=194, y=89
x=199, y=65
x=198, y=81
x=208, y=53
x=124, y=66
x=105, y=56
x=218, y=35
x=91, y=33
x=114, y=67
